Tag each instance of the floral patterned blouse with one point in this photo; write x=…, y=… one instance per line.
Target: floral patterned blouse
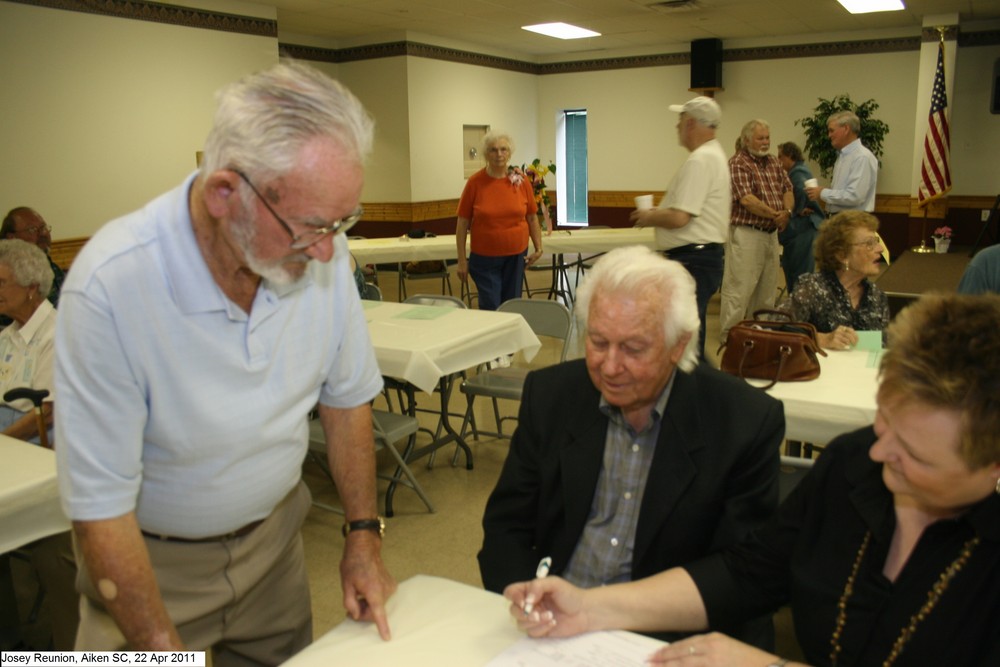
x=820, y=299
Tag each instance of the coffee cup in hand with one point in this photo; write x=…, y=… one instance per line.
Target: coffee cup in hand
x=644, y=202
x=812, y=183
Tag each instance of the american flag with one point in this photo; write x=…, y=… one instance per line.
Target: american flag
x=935, y=173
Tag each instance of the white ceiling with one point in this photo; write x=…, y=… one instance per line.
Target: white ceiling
x=624, y=24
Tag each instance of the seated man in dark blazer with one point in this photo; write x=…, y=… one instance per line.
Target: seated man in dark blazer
x=637, y=458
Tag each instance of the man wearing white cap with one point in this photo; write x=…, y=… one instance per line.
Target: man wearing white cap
x=693, y=216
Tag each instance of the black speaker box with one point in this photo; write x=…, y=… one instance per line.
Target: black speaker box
x=995, y=97
x=706, y=64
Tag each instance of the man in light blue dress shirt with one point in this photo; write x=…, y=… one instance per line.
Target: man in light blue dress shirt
x=195, y=337
x=854, y=173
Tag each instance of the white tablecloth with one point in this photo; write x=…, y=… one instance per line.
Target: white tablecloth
x=435, y=623
x=421, y=344
x=441, y=623
x=29, y=496
x=841, y=399
x=587, y=241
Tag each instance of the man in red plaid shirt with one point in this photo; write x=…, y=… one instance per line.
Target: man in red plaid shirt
x=761, y=206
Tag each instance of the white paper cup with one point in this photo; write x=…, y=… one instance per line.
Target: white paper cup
x=644, y=202
x=812, y=183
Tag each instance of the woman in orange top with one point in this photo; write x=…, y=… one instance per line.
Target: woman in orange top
x=498, y=206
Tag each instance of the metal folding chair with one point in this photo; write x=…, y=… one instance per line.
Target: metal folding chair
x=388, y=428
x=546, y=318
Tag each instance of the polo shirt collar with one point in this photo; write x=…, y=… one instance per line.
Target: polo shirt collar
x=191, y=283
x=34, y=323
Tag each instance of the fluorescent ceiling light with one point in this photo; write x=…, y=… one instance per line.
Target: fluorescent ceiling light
x=561, y=30
x=869, y=6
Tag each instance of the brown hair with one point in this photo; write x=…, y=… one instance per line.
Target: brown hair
x=833, y=243
x=944, y=352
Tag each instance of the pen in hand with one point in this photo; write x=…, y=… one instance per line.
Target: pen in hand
x=541, y=572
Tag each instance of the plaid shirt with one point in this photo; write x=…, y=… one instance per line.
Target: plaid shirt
x=761, y=177
x=605, y=550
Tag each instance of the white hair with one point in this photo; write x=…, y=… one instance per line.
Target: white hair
x=263, y=121
x=637, y=269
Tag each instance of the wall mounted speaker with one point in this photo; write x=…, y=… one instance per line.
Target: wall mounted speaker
x=995, y=97
x=706, y=64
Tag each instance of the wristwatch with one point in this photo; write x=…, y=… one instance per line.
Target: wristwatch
x=377, y=524
x=781, y=662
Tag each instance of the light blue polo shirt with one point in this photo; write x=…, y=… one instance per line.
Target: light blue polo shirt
x=174, y=402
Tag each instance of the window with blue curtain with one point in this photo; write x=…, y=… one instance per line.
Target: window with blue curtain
x=575, y=161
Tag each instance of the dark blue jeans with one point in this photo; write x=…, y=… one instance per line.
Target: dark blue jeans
x=705, y=266
x=497, y=279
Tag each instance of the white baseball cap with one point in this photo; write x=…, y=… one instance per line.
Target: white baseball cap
x=704, y=109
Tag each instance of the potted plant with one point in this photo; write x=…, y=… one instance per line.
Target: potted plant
x=818, y=147
x=942, y=239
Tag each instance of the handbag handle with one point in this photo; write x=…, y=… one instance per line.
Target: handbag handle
x=784, y=351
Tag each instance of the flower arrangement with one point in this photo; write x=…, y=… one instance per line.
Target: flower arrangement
x=536, y=173
x=942, y=233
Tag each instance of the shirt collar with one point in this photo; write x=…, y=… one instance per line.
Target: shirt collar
x=187, y=272
x=615, y=413
x=851, y=147
x=35, y=322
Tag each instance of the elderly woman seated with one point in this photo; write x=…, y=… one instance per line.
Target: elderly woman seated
x=840, y=298
x=888, y=551
x=26, y=346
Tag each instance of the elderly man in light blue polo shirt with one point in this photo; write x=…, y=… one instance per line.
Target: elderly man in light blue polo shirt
x=195, y=337
x=855, y=172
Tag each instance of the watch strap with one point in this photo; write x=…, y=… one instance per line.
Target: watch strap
x=377, y=524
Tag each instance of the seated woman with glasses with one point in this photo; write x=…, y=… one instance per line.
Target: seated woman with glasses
x=840, y=299
x=26, y=346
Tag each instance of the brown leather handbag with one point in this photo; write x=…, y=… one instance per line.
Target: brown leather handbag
x=779, y=351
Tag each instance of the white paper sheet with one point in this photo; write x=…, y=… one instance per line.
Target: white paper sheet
x=595, y=649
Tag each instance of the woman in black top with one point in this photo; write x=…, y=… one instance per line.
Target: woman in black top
x=888, y=552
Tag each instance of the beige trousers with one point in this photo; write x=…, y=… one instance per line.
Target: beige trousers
x=245, y=599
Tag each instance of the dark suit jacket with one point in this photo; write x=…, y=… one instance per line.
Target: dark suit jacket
x=713, y=477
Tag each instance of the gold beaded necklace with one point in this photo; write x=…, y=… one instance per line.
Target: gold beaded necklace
x=937, y=590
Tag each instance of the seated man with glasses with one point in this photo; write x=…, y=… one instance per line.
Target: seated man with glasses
x=26, y=224
x=195, y=337
x=840, y=299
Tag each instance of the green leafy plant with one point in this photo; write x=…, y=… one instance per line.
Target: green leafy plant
x=818, y=147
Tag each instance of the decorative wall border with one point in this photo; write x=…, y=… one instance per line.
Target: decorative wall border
x=155, y=12
x=142, y=10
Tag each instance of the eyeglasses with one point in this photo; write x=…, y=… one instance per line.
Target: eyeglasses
x=314, y=235
x=870, y=243
x=37, y=229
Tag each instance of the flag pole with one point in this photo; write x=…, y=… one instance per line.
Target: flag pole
x=935, y=171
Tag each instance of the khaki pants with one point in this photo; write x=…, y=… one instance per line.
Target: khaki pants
x=246, y=599
x=750, y=277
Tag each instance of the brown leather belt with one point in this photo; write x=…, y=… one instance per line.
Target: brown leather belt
x=239, y=532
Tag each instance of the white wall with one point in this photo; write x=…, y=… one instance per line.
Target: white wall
x=975, y=132
x=381, y=85
x=444, y=96
x=633, y=136
x=101, y=114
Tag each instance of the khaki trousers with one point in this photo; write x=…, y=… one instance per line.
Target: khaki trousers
x=245, y=599
x=750, y=276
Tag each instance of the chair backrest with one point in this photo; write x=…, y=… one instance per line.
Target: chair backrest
x=435, y=300
x=546, y=318
x=790, y=473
